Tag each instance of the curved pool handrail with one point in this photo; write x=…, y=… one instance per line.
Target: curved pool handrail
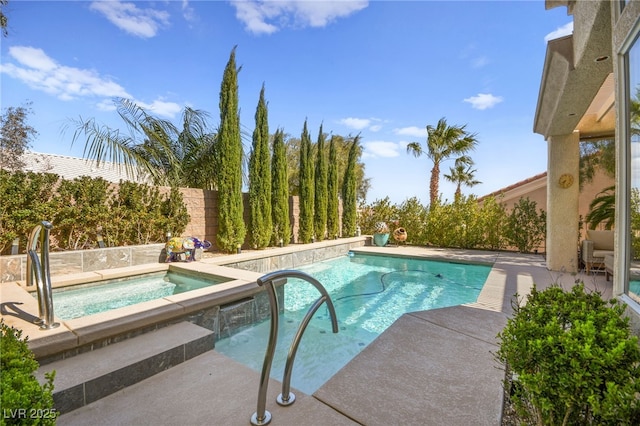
x=38, y=271
x=262, y=416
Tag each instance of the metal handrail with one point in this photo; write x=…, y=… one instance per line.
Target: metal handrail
x=38, y=270
x=262, y=416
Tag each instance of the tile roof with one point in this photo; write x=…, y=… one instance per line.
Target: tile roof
x=73, y=167
x=539, y=177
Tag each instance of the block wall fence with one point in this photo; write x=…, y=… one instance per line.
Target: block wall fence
x=202, y=206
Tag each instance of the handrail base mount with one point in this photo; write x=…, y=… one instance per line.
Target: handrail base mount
x=45, y=326
x=281, y=401
x=265, y=420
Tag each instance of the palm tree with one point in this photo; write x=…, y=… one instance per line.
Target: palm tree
x=602, y=209
x=155, y=147
x=462, y=174
x=443, y=142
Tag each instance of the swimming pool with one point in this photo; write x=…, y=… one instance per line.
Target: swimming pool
x=88, y=299
x=369, y=292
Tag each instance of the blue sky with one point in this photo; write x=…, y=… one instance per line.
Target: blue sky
x=381, y=69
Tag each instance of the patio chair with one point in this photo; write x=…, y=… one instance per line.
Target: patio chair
x=595, y=247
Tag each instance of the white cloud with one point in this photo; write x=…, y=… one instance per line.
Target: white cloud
x=162, y=108
x=564, y=30
x=356, y=123
x=372, y=124
x=106, y=105
x=418, y=132
x=40, y=72
x=143, y=23
x=32, y=58
x=253, y=15
x=483, y=101
x=188, y=13
x=382, y=149
x=267, y=17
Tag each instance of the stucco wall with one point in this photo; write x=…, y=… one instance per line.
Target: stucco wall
x=536, y=190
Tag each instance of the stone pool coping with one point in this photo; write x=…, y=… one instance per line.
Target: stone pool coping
x=142, y=317
x=19, y=308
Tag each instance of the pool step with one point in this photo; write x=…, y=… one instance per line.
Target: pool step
x=92, y=375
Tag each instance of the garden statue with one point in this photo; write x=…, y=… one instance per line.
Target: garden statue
x=177, y=246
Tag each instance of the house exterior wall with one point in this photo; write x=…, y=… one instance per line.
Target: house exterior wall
x=535, y=189
x=606, y=40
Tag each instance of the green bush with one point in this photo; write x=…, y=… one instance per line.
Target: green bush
x=494, y=222
x=140, y=215
x=81, y=211
x=27, y=199
x=23, y=399
x=378, y=211
x=574, y=360
x=412, y=216
x=135, y=214
x=465, y=223
x=526, y=228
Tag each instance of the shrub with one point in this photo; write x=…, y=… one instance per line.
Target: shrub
x=526, y=228
x=23, y=400
x=81, y=211
x=412, y=216
x=378, y=211
x=27, y=199
x=141, y=215
x=574, y=360
x=134, y=214
x=494, y=219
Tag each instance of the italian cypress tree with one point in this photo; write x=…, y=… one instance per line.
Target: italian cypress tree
x=305, y=230
x=349, y=186
x=231, y=227
x=320, y=191
x=280, y=191
x=260, y=179
x=332, y=191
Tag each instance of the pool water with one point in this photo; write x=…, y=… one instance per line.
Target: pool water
x=369, y=293
x=88, y=299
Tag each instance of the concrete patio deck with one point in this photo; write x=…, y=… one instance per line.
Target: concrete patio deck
x=431, y=367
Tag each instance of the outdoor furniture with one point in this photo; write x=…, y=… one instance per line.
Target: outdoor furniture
x=608, y=266
x=595, y=247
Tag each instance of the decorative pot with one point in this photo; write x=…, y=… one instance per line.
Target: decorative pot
x=400, y=235
x=380, y=239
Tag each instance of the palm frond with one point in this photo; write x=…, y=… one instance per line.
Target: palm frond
x=602, y=209
x=414, y=148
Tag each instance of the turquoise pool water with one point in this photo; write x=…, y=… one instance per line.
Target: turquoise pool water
x=88, y=299
x=369, y=294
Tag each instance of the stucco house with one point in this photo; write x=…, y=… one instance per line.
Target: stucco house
x=589, y=90
x=535, y=189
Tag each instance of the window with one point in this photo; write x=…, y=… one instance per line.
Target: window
x=633, y=130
